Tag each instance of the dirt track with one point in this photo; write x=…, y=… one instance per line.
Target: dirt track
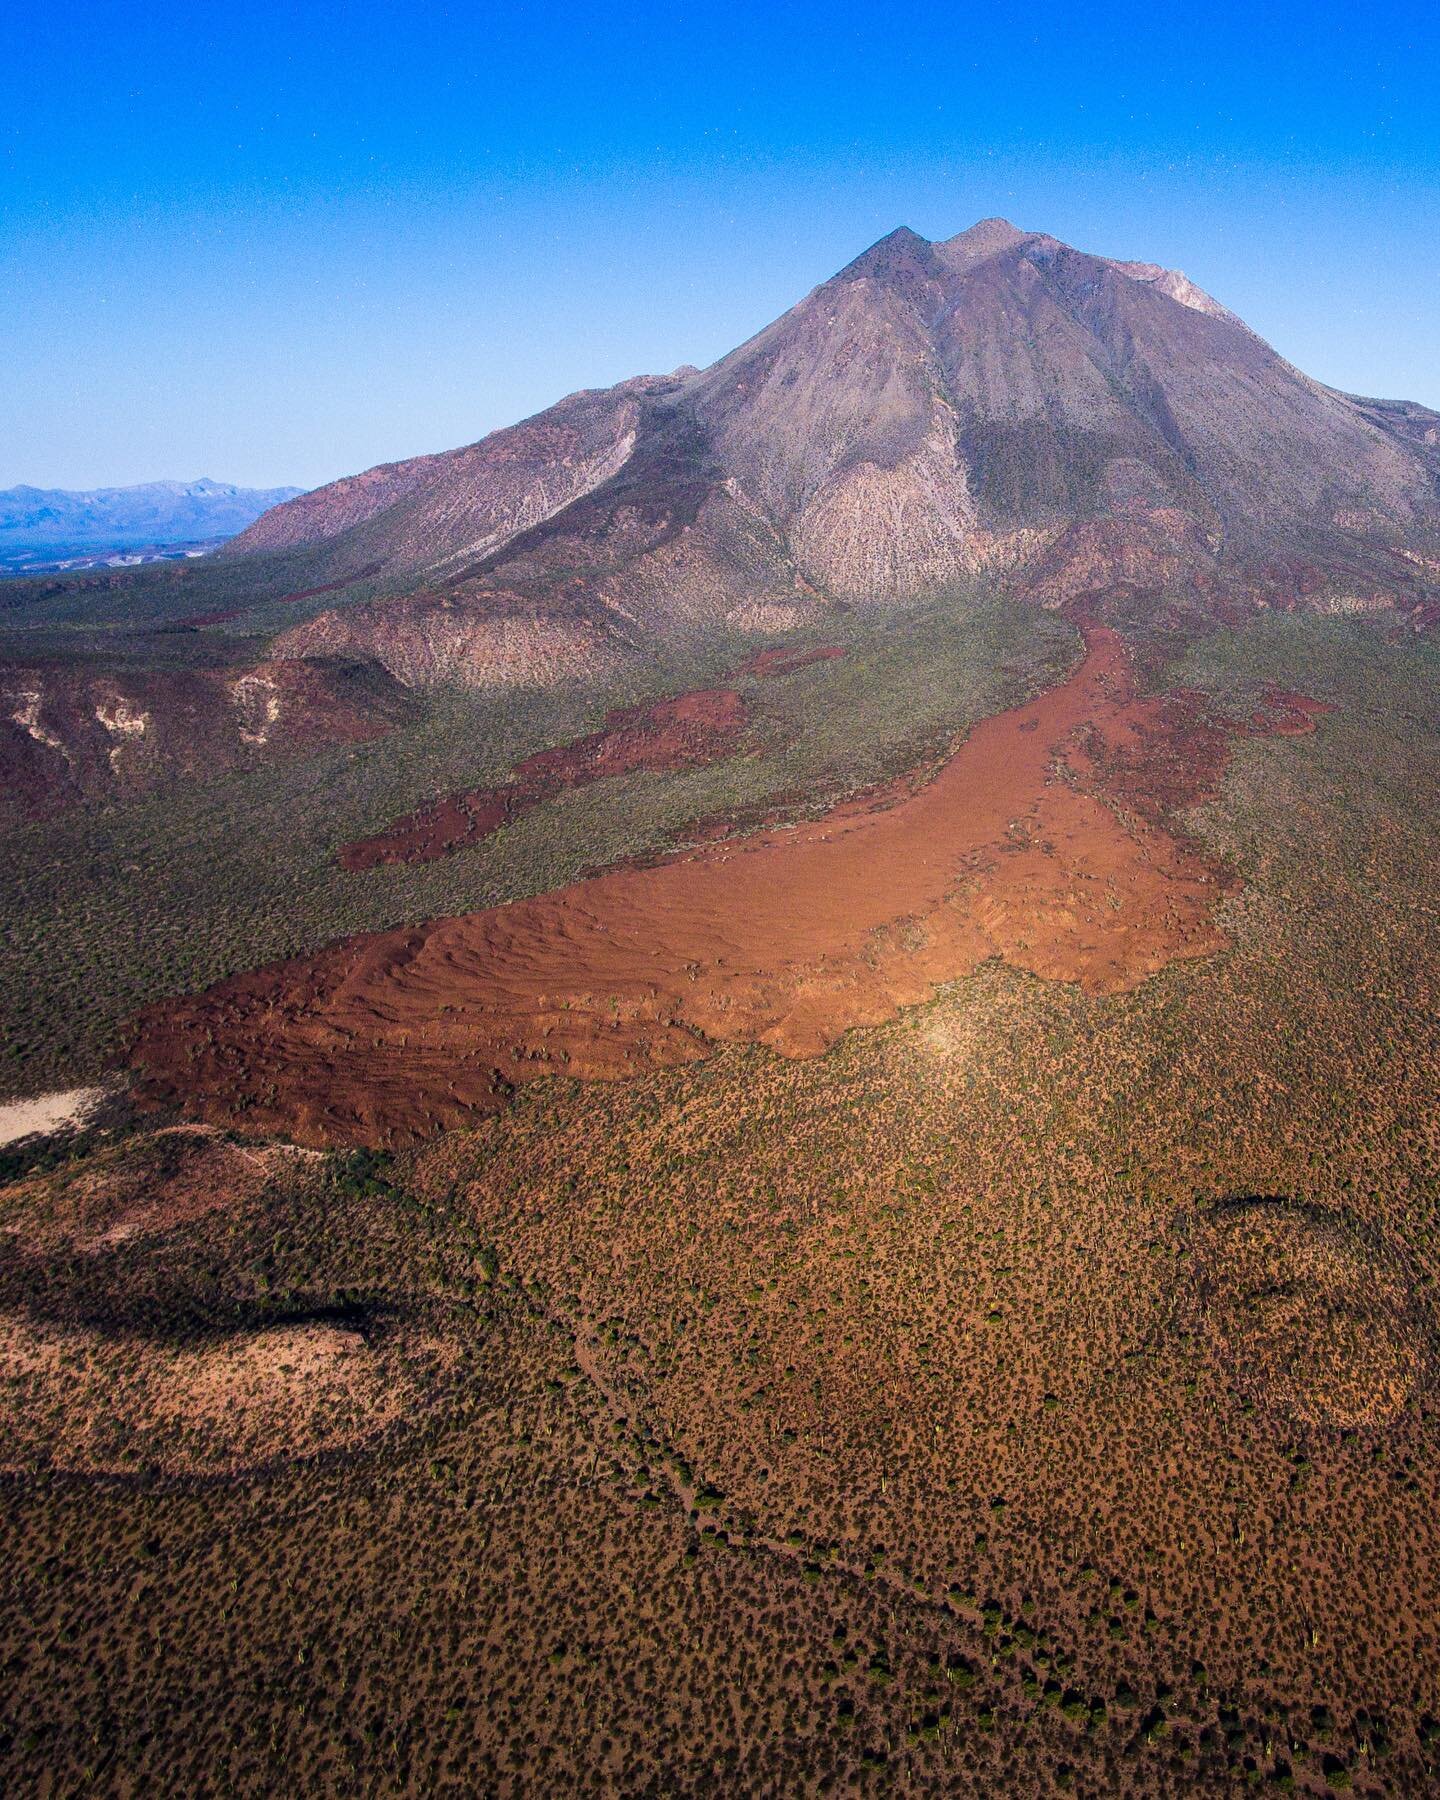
x=1027, y=845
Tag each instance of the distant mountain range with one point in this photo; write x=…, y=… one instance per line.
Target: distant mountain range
x=1079, y=430
x=40, y=527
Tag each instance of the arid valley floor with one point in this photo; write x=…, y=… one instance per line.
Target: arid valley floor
x=1032, y=1391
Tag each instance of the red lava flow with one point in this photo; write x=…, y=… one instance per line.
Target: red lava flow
x=331, y=587
x=198, y=621
x=674, y=734
x=1027, y=845
x=698, y=727
x=1286, y=714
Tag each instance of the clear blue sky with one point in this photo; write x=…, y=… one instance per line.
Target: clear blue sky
x=276, y=244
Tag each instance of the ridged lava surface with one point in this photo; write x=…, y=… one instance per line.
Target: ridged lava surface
x=1027, y=845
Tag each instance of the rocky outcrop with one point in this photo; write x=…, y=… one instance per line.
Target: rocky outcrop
x=68, y=734
x=483, y=639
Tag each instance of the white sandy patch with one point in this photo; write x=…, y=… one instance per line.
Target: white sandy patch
x=46, y=1112
x=257, y=700
x=27, y=717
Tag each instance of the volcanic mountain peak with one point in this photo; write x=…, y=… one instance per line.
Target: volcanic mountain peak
x=995, y=403
x=898, y=251
x=904, y=252
x=988, y=237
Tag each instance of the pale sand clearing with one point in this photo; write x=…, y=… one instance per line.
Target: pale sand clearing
x=46, y=1112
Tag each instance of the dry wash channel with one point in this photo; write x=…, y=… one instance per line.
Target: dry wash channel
x=1036, y=842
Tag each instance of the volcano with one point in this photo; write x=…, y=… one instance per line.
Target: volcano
x=996, y=405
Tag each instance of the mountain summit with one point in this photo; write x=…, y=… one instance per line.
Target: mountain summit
x=993, y=404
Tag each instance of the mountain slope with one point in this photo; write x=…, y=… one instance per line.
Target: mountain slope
x=441, y=512
x=997, y=402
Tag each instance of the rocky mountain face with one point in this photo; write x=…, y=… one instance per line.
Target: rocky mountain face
x=443, y=513
x=44, y=523
x=1089, y=431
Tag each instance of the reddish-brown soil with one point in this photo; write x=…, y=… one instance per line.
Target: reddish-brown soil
x=674, y=734
x=197, y=621
x=1287, y=714
x=433, y=831
x=669, y=735
x=1019, y=848
x=769, y=663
